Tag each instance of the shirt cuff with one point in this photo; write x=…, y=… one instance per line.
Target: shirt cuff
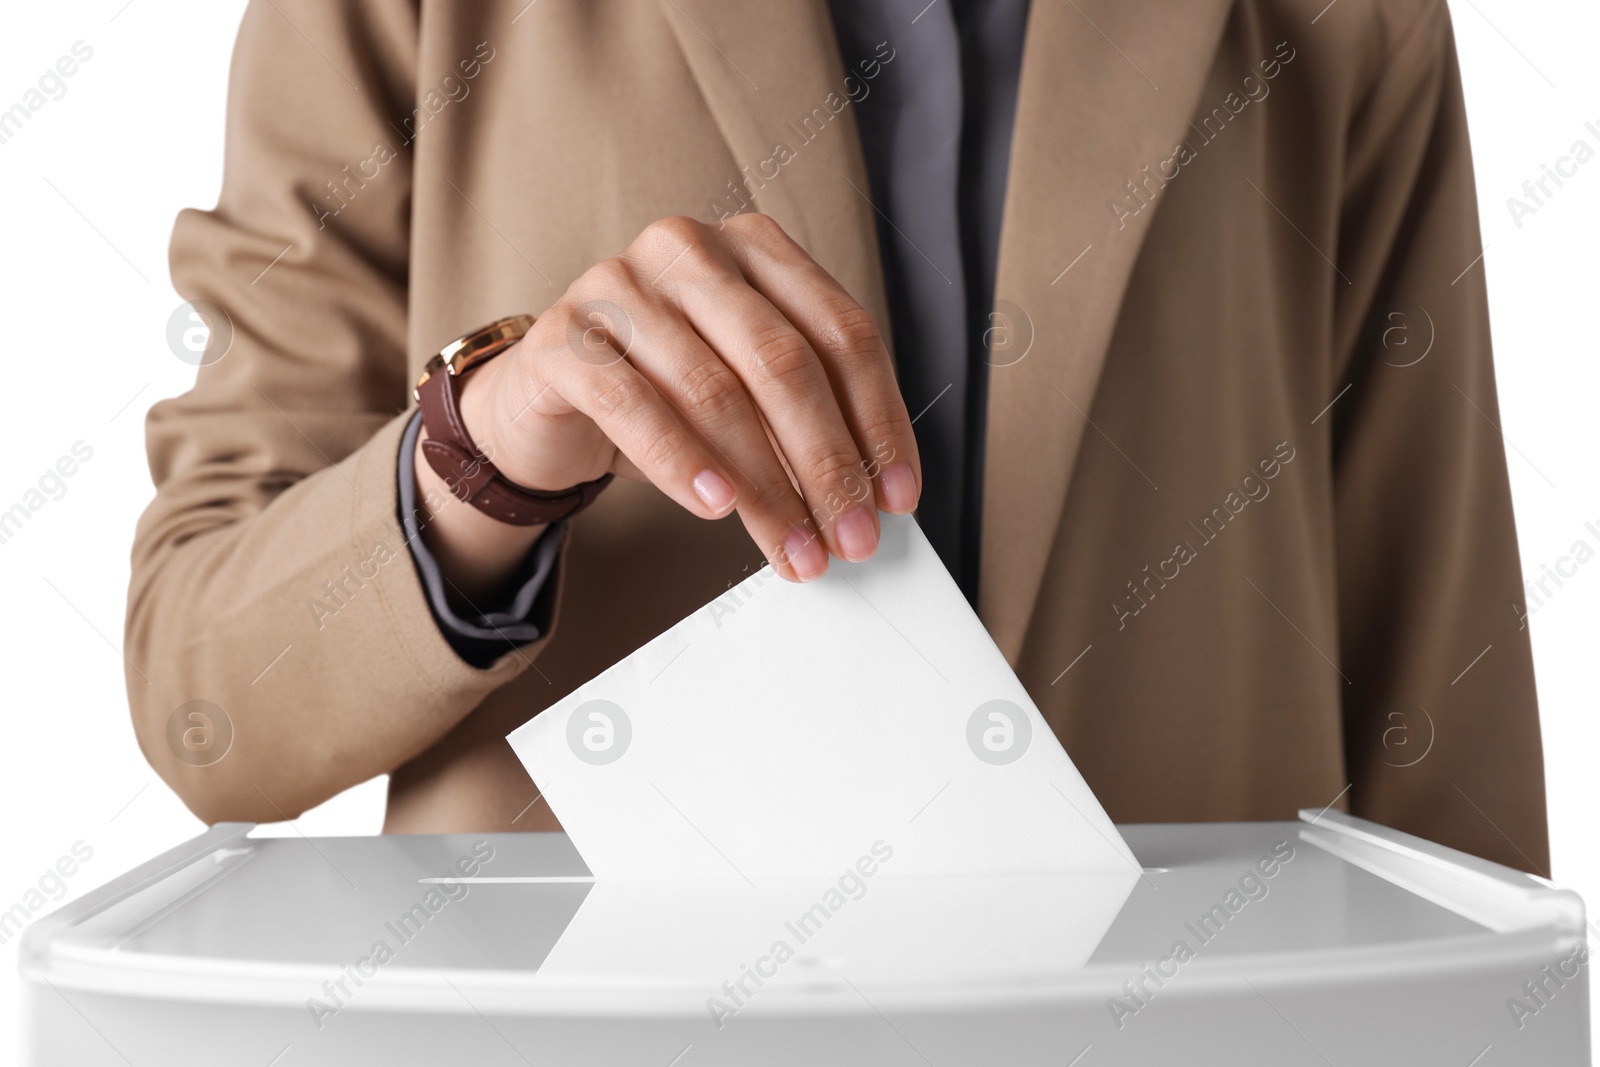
x=518, y=616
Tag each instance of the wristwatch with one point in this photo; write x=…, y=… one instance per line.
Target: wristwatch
x=449, y=449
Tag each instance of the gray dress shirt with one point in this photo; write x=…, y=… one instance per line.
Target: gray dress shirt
x=936, y=135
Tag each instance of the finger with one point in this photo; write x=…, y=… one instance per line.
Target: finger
x=787, y=382
x=632, y=414
x=623, y=467
x=711, y=400
x=851, y=349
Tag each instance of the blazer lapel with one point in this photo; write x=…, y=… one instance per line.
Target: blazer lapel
x=1107, y=86
x=773, y=80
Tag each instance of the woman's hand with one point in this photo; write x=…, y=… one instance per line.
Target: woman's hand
x=721, y=364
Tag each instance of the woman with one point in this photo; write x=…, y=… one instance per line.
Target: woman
x=1191, y=388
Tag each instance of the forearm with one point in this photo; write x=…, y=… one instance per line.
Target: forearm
x=306, y=624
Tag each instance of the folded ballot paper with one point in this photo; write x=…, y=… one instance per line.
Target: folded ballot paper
x=790, y=731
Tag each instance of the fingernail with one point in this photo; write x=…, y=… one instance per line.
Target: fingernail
x=714, y=489
x=805, y=554
x=856, y=533
x=899, y=489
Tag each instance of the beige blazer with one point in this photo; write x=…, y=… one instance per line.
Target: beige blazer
x=1247, y=535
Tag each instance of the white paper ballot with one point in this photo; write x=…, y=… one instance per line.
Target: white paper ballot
x=786, y=731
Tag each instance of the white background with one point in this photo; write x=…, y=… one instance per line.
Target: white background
x=89, y=188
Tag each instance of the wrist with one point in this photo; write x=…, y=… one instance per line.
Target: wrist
x=464, y=403
x=476, y=554
x=478, y=395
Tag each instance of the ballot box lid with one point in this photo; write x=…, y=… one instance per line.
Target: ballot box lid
x=514, y=922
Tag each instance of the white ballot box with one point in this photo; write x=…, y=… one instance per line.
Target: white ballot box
x=1327, y=941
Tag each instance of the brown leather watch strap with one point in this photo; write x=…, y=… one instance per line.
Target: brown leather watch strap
x=471, y=477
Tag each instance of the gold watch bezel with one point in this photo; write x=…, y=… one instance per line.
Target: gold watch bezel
x=469, y=350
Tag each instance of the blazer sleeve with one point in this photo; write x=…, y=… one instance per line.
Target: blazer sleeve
x=271, y=577
x=1441, y=721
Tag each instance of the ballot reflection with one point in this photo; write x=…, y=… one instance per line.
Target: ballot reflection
x=726, y=947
